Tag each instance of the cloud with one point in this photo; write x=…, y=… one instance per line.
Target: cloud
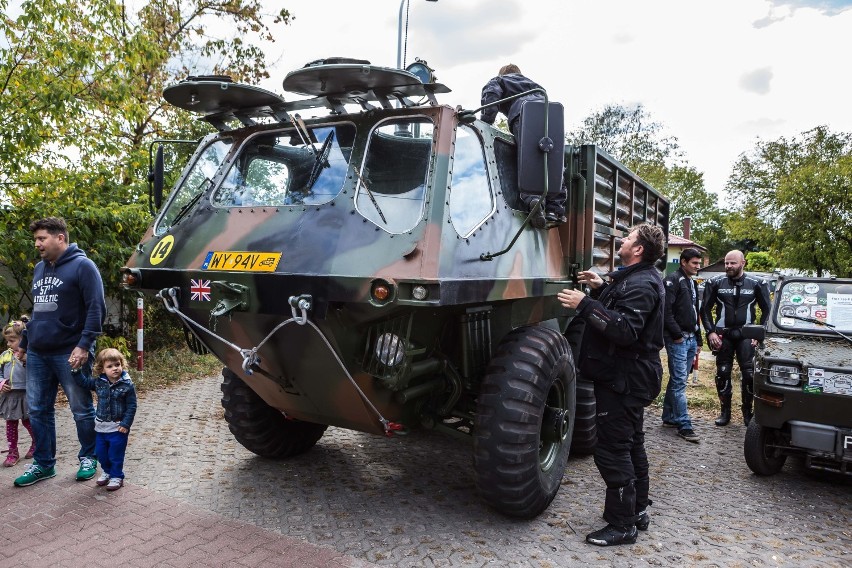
x=623, y=38
x=781, y=10
x=481, y=31
x=828, y=7
x=769, y=127
x=757, y=81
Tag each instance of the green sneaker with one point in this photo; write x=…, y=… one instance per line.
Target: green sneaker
x=33, y=474
x=88, y=468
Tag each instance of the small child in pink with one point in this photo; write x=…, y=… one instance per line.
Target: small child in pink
x=13, y=392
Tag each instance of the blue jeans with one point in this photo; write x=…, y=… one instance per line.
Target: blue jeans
x=44, y=375
x=110, y=447
x=681, y=355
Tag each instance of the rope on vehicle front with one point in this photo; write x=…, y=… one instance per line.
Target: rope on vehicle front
x=299, y=306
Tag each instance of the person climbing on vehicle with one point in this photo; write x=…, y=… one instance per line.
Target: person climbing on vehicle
x=510, y=81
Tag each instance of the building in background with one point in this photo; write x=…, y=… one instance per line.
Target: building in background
x=678, y=243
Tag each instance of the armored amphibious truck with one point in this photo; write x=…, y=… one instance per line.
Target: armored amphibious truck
x=357, y=255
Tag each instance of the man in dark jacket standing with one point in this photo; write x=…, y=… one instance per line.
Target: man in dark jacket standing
x=733, y=297
x=68, y=311
x=620, y=353
x=510, y=81
x=683, y=341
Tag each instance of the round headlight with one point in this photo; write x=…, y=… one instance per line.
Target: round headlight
x=390, y=349
x=419, y=292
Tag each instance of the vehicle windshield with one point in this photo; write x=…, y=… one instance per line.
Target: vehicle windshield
x=298, y=166
x=392, y=180
x=822, y=306
x=471, y=200
x=196, y=181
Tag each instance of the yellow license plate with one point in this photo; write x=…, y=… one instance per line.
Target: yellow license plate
x=238, y=261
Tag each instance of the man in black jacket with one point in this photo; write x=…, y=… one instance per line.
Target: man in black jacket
x=734, y=297
x=510, y=81
x=683, y=341
x=620, y=353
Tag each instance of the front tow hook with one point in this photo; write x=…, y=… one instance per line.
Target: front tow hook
x=302, y=303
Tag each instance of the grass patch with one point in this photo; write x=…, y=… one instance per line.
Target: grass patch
x=702, y=398
x=166, y=368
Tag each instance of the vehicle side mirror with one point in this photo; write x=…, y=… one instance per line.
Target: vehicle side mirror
x=534, y=147
x=156, y=176
x=752, y=331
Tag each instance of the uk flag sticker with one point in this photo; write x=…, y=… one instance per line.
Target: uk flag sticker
x=199, y=290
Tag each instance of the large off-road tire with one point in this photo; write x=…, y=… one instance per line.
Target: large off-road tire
x=760, y=457
x=259, y=427
x=524, y=419
x=585, y=421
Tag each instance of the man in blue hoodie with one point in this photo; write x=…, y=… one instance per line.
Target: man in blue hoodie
x=68, y=310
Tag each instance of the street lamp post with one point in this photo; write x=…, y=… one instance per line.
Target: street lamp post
x=399, y=34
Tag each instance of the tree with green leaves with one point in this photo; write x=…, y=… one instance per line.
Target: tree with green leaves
x=796, y=196
x=81, y=81
x=630, y=136
x=81, y=97
x=640, y=143
x=760, y=262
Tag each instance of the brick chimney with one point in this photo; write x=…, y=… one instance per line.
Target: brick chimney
x=687, y=224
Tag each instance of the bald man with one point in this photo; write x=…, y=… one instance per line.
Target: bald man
x=729, y=303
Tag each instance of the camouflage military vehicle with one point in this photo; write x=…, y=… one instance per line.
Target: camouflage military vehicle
x=371, y=267
x=803, y=378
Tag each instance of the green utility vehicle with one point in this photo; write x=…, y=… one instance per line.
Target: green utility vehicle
x=371, y=267
x=803, y=378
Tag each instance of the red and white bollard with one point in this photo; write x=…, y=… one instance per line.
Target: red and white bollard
x=139, y=334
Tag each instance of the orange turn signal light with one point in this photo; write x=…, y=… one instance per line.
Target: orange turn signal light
x=771, y=399
x=130, y=278
x=381, y=292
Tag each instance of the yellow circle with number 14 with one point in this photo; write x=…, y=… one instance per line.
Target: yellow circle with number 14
x=162, y=249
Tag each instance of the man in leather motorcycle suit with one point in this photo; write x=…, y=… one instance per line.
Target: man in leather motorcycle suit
x=734, y=297
x=620, y=354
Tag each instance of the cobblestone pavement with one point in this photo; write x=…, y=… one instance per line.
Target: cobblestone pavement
x=410, y=501
x=60, y=522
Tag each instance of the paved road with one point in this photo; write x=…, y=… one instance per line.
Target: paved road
x=357, y=499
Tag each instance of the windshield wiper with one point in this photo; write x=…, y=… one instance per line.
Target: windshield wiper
x=189, y=204
x=321, y=160
x=821, y=323
x=370, y=195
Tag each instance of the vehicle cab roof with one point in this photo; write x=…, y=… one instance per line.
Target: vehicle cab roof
x=330, y=83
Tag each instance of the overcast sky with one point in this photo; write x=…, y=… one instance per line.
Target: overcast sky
x=718, y=75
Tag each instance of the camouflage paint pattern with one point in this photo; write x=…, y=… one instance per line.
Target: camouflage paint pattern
x=337, y=256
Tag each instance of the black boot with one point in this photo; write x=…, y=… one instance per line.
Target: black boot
x=537, y=220
x=725, y=415
x=611, y=535
x=643, y=520
x=748, y=401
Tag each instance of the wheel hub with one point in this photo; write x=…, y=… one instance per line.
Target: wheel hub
x=554, y=425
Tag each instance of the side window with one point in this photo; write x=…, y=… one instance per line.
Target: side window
x=196, y=181
x=392, y=181
x=289, y=168
x=471, y=199
x=506, y=155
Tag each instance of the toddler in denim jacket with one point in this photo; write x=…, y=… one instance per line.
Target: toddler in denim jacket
x=114, y=415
